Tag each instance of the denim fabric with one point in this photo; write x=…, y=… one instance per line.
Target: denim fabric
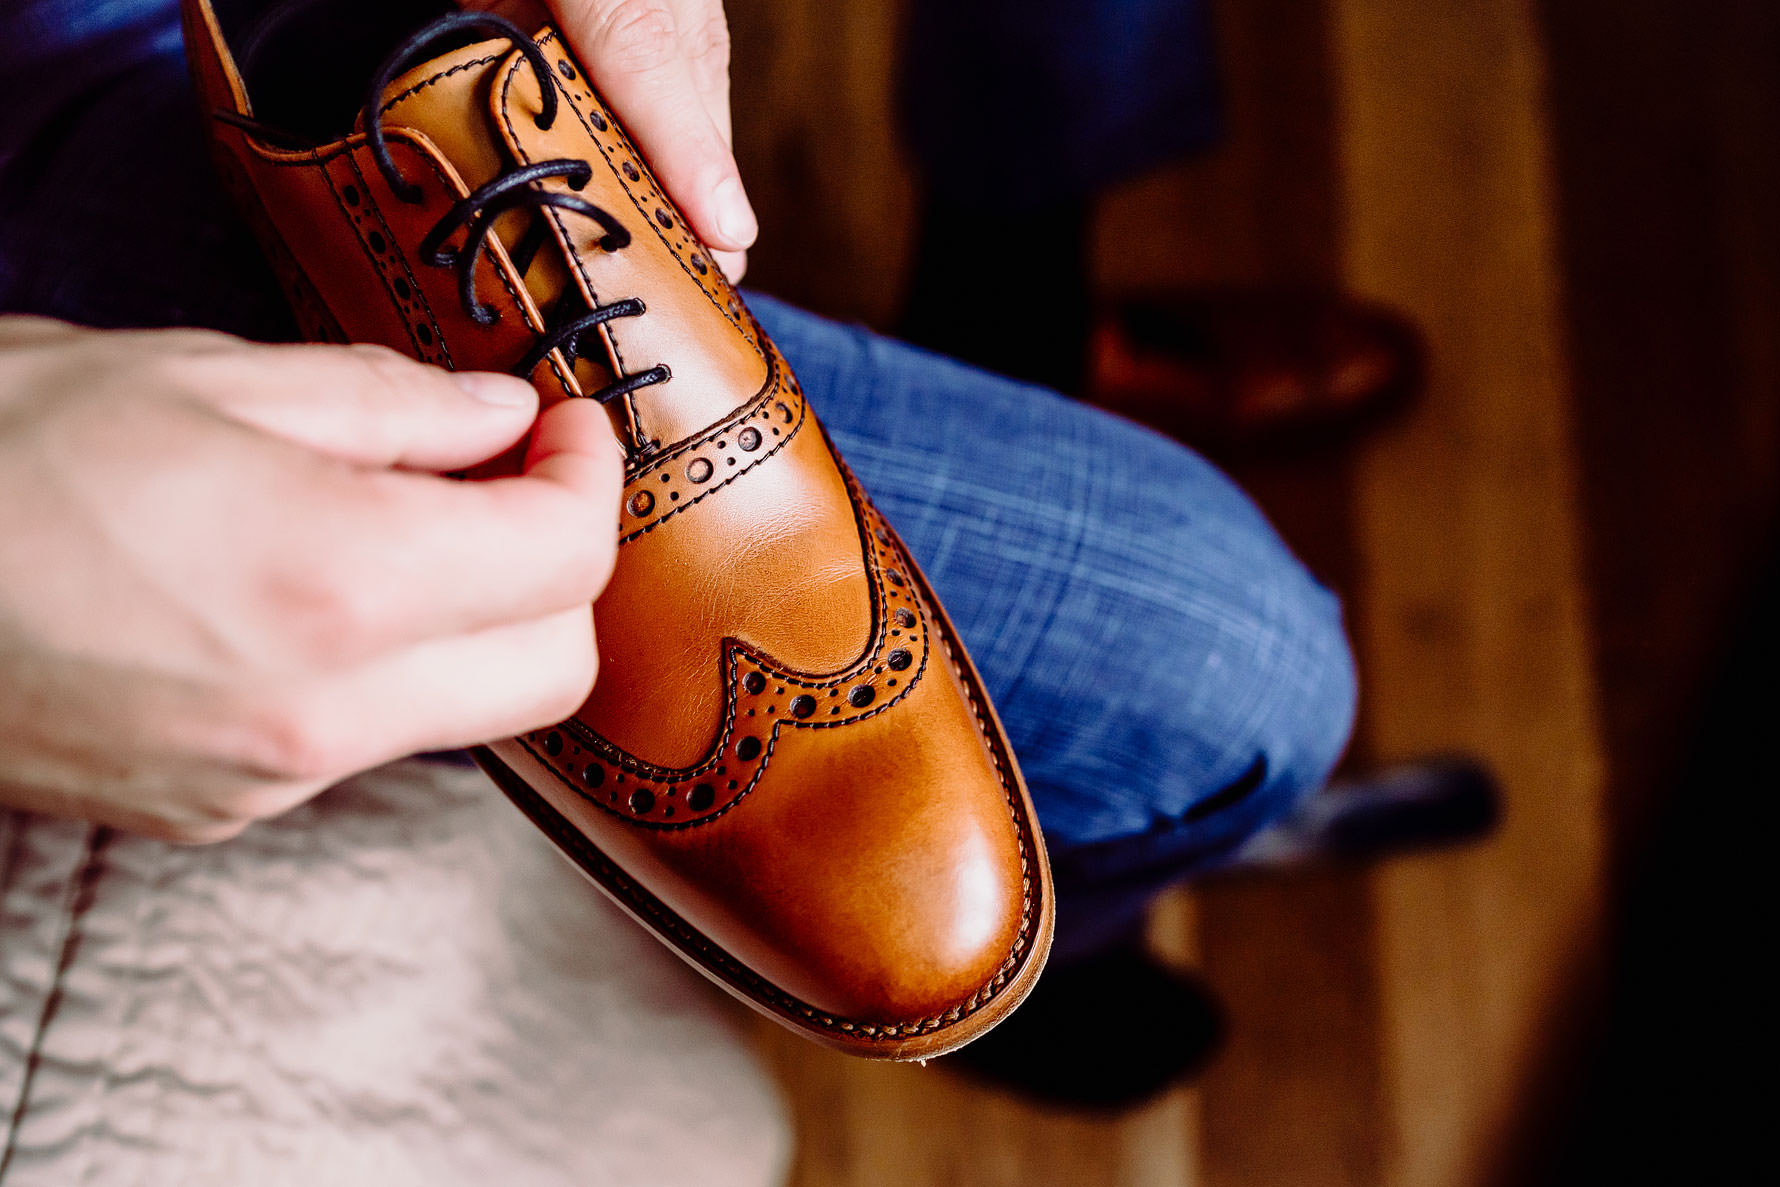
x=53, y=52
x=1172, y=679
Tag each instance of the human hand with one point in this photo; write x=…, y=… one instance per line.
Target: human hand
x=230, y=574
x=663, y=66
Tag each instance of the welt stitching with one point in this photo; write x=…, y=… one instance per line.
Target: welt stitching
x=991, y=737
x=589, y=855
x=642, y=900
x=647, y=903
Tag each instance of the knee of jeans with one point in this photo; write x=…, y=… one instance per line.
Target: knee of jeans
x=1225, y=706
x=1296, y=745
x=1274, y=758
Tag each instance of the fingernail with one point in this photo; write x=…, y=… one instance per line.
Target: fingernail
x=503, y=391
x=735, y=218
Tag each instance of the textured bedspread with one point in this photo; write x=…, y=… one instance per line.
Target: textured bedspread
x=399, y=983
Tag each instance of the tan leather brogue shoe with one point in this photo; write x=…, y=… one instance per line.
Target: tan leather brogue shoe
x=788, y=770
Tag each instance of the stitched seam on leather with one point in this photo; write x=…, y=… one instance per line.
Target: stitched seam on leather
x=866, y=515
x=500, y=273
x=573, y=840
x=734, y=970
x=321, y=156
x=692, y=940
x=711, y=490
x=734, y=650
x=614, y=126
x=715, y=956
x=396, y=250
x=574, y=257
x=991, y=738
x=648, y=220
x=494, y=263
x=80, y=901
x=775, y=383
x=731, y=423
x=1010, y=793
x=424, y=83
x=377, y=265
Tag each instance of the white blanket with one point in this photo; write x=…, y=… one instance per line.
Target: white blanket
x=400, y=983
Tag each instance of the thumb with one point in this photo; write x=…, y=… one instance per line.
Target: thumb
x=374, y=407
x=661, y=65
x=574, y=447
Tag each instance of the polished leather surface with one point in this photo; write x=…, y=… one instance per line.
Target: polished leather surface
x=788, y=768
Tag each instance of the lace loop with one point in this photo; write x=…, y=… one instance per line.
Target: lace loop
x=480, y=210
x=515, y=188
x=399, y=58
x=567, y=337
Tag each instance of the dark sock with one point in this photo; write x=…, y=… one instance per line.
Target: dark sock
x=1107, y=1032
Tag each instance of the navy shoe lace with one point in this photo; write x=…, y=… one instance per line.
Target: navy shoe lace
x=515, y=189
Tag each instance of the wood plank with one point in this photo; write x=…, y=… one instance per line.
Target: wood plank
x=1471, y=609
x=864, y=1124
x=1295, y=1098
x=1668, y=137
x=1258, y=207
x=816, y=135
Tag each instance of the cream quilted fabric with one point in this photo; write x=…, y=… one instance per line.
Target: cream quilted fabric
x=399, y=983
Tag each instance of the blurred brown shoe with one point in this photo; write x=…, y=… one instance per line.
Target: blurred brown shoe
x=1240, y=370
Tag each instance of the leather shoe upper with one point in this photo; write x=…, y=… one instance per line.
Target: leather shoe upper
x=788, y=767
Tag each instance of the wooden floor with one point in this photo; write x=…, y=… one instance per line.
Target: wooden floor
x=1520, y=585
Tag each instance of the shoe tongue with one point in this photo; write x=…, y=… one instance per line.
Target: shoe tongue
x=479, y=107
x=446, y=100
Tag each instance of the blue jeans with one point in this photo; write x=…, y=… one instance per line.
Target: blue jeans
x=1170, y=676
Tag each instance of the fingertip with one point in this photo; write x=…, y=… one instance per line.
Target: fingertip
x=574, y=443
x=507, y=392
x=733, y=263
x=736, y=224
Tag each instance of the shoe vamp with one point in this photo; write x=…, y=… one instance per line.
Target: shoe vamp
x=770, y=559
x=874, y=871
x=479, y=105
